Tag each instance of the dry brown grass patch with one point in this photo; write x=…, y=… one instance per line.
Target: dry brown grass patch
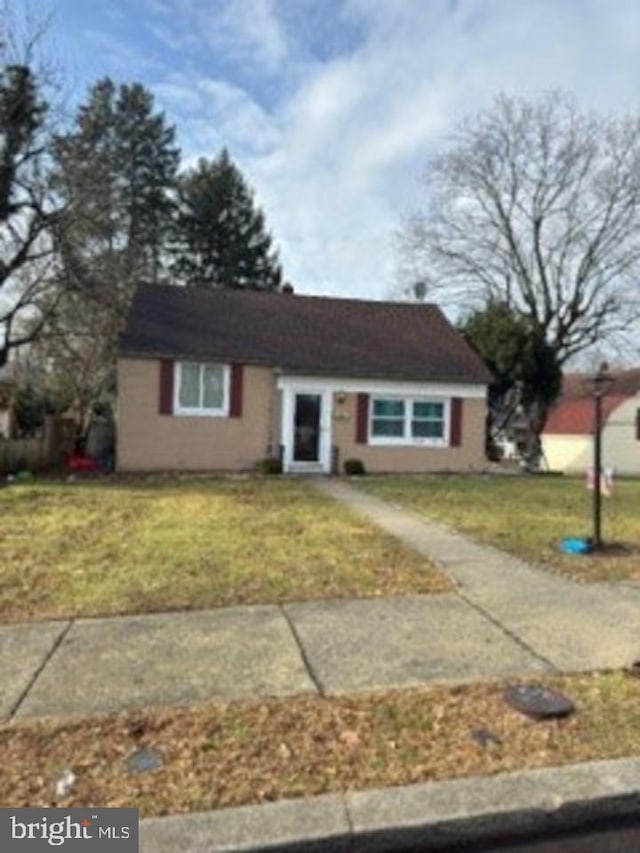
x=221, y=755
x=155, y=544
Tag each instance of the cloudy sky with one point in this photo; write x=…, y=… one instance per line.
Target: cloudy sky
x=332, y=107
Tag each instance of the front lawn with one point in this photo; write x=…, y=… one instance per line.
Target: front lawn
x=526, y=515
x=218, y=755
x=152, y=544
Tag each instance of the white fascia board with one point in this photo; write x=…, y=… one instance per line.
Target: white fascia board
x=383, y=386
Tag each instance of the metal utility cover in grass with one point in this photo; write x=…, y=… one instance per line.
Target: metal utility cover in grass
x=143, y=760
x=537, y=702
x=484, y=737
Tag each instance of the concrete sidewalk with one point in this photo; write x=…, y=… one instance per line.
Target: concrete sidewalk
x=568, y=625
x=505, y=619
x=100, y=665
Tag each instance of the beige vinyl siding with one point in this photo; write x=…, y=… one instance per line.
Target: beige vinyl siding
x=469, y=456
x=148, y=441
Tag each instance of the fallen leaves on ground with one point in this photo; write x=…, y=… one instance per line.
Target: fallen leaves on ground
x=220, y=755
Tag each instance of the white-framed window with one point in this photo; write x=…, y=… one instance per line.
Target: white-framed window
x=409, y=420
x=388, y=417
x=427, y=419
x=201, y=388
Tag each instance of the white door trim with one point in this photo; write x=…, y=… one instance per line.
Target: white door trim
x=287, y=429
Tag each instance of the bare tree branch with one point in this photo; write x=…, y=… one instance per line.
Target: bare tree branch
x=27, y=211
x=537, y=205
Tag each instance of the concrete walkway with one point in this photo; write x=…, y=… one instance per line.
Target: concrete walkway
x=504, y=619
x=568, y=625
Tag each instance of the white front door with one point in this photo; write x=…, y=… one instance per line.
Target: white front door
x=307, y=430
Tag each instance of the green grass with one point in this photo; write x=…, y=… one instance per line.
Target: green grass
x=527, y=516
x=101, y=547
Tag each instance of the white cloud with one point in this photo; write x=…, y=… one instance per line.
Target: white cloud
x=338, y=160
x=247, y=31
x=179, y=95
x=118, y=56
x=253, y=28
x=358, y=133
x=215, y=114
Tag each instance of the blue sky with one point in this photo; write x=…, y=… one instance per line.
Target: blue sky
x=332, y=107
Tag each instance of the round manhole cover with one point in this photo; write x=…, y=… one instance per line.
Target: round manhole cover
x=538, y=702
x=144, y=759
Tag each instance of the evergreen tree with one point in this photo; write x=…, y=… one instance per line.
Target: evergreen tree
x=221, y=235
x=526, y=369
x=115, y=173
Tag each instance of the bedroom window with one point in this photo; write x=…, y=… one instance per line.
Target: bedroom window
x=388, y=418
x=408, y=420
x=427, y=420
x=201, y=389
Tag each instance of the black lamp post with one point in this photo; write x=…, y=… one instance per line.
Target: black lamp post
x=599, y=385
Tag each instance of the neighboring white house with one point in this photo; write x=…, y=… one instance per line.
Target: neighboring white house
x=567, y=440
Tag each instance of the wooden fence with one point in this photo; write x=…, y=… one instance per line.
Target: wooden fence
x=32, y=454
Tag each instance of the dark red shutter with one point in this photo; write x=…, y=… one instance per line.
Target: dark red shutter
x=165, y=406
x=456, y=422
x=362, y=416
x=235, y=401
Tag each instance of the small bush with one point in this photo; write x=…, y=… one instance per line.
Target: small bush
x=269, y=465
x=354, y=468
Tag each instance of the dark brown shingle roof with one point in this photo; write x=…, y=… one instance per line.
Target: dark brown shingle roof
x=301, y=334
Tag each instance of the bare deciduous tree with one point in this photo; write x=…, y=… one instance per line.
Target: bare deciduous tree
x=537, y=205
x=26, y=211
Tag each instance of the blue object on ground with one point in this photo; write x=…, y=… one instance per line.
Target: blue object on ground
x=144, y=759
x=575, y=545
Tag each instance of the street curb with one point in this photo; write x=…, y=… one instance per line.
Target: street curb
x=435, y=816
